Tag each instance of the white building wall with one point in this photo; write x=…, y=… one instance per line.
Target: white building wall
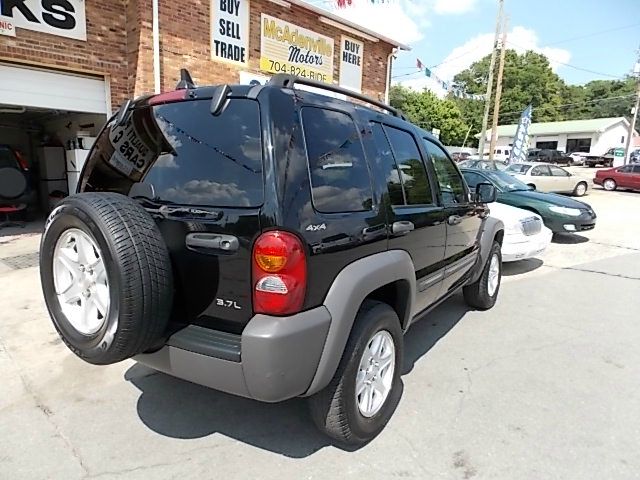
x=614, y=137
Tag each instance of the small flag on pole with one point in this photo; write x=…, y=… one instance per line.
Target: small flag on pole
x=419, y=64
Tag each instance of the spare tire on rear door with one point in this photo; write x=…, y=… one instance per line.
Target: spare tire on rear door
x=106, y=276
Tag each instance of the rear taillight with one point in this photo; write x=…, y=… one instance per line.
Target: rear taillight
x=167, y=97
x=279, y=274
x=22, y=162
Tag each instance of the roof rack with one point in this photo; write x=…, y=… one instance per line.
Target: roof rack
x=288, y=81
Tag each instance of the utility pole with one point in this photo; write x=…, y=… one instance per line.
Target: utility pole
x=492, y=66
x=627, y=150
x=496, y=107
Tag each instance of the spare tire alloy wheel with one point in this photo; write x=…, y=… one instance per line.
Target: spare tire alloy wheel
x=106, y=277
x=81, y=281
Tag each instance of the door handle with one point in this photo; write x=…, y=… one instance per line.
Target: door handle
x=454, y=220
x=402, y=228
x=213, y=241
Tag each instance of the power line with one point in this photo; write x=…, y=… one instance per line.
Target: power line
x=577, y=104
x=569, y=65
x=594, y=34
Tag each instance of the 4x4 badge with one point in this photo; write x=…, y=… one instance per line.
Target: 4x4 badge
x=316, y=228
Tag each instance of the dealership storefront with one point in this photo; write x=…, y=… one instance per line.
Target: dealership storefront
x=65, y=65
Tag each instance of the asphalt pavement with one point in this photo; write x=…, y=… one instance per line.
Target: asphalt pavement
x=545, y=385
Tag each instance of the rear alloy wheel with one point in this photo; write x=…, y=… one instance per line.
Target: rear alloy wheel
x=580, y=190
x=610, y=184
x=366, y=388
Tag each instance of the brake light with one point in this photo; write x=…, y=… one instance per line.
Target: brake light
x=22, y=162
x=167, y=97
x=279, y=274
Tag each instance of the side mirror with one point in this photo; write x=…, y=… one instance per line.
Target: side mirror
x=486, y=193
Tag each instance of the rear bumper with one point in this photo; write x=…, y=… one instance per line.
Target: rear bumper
x=274, y=359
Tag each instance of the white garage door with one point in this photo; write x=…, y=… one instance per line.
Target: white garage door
x=30, y=87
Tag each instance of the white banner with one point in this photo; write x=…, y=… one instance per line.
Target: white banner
x=351, y=59
x=288, y=48
x=230, y=31
x=65, y=18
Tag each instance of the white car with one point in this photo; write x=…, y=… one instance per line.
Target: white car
x=546, y=177
x=525, y=235
x=578, y=158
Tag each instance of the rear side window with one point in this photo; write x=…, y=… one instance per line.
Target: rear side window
x=185, y=154
x=340, y=180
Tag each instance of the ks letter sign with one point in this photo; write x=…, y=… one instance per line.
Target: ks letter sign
x=230, y=31
x=65, y=18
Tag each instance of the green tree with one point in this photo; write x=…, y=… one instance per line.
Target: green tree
x=528, y=79
x=428, y=111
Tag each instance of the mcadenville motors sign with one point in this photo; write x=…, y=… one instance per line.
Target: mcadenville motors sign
x=65, y=18
x=288, y=48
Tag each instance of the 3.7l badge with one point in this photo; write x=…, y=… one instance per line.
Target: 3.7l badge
x=221, y=302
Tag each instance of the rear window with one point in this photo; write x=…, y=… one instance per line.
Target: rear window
x=7, y=158
x=184, y=154
x=339, y=174
x=518, y=168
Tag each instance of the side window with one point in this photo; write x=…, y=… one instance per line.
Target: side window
x=449, y=179
x=625, y=169
x=636, y=169
x=388, y=165
x=473, y=179
x=540, y=171
x=340, y=179
x=417, y=190
x=558, y=172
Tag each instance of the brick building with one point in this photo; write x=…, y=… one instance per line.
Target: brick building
x=67, y=64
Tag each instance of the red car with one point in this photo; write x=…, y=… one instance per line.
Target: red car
x=625, y=177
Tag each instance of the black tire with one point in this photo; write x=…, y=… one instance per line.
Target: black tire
x=609, y=184
x=592, y=165
x=477, y=294
x=334, y=410
x=138, y=270
x=576, y=191
x=532, y=186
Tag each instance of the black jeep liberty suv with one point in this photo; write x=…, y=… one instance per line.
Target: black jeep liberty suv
x=269, y=242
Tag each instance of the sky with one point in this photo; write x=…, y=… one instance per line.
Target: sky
x=584, y=39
